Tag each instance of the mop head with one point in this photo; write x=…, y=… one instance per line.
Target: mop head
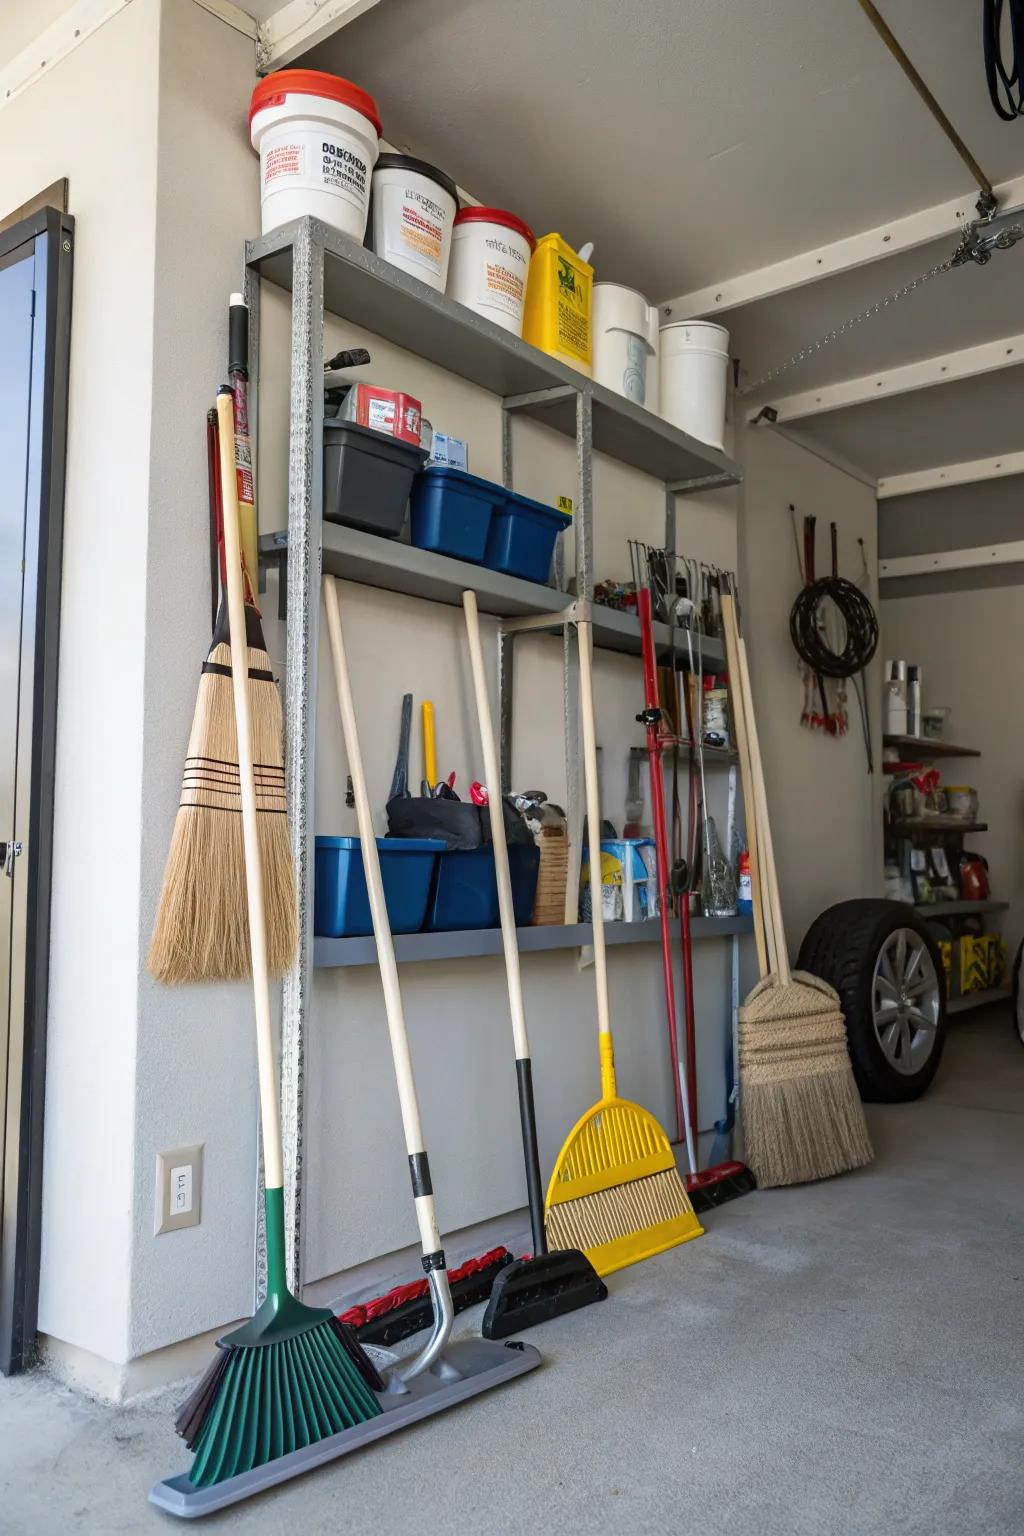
x=202, y=928
x=802, y=1115
x=615, y=1192
x=289, y=1378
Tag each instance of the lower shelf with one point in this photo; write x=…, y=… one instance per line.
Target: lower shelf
x=942, y=909
x=328, y=953
x=978, y=999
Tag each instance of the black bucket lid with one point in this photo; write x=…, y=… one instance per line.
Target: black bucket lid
x=422, y=168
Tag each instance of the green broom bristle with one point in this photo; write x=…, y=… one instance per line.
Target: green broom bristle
x=264, y=1400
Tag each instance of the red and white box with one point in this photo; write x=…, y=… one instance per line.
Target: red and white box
x=383, y=410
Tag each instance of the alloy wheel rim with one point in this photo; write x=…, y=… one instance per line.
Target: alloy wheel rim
x=905, y=1001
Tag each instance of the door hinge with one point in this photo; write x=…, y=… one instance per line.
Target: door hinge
x=8, y=853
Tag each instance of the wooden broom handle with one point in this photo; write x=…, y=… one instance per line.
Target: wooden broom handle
x=781, y=961
x=425, y=1213
x=272, y=1163
x=497, y=815
x=739, y=716
x=585, y=641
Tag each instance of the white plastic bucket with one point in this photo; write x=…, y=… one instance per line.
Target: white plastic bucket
x=694, y=370
x=412, y=214
x=625, y=330
x=490, y=264
x=317, y=137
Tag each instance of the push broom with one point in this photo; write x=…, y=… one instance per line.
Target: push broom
x=550, y=1284
x=802, y=1115
x=291, y=1376
x=615, y=1192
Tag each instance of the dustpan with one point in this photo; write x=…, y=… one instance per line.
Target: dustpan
x=615, y=1192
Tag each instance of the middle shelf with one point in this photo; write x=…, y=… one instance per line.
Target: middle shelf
x=354, y=555
x=468, y=943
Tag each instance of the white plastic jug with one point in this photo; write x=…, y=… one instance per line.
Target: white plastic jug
x=694, y=372
x=625, y=331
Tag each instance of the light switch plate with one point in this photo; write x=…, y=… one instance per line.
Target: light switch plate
x=179, y=1189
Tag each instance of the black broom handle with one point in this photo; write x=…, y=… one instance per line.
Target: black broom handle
x=524, y=1068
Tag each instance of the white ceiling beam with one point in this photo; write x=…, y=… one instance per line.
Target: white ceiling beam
x=952, y=560
x=943, y=369
x=299, y=25
x=54, y=43
x=841, y=256
x=968, y=472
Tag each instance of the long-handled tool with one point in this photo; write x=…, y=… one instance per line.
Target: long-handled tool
x=238, y=373
x=802, y=1118
x=726, y=1181
x=429, y=744
x=291, y=1376
x=615, y=1191
x=201, y=931
x=485, y=1362
x=549, y=1284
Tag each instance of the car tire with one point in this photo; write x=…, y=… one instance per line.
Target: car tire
x=1018, y=999
x=886, y=967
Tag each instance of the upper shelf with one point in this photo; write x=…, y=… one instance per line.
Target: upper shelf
x=359, y=286
x=924, y=748
x=354, y=555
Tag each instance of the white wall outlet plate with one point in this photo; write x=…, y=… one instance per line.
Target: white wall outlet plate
x=179, y=1189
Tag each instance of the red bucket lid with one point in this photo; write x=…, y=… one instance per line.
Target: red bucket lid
x=272, y=90
x=496, y=216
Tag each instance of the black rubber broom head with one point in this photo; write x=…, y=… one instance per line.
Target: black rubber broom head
x=718, y=1185
x=530, y=1291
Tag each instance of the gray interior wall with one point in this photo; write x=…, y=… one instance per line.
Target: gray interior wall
x=825, y=808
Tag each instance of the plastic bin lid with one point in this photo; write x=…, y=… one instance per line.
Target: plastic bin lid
x=421, y=168
x=386, y=844
x=448, y=472
x=514, y=502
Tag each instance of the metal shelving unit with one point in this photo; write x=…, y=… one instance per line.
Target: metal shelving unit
x=325, y=272
x=925, y=748
x=467, y=944
x=959, y=908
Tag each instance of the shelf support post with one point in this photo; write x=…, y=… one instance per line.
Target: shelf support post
x=305, y=554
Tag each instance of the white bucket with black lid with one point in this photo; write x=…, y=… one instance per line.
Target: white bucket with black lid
x=412, y=213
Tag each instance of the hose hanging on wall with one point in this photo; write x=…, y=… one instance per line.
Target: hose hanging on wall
x=811, y=631
x=1005, y=79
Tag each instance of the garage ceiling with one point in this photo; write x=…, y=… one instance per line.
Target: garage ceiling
x=695, y=142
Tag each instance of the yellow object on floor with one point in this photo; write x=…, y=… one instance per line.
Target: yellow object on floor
x=559, y=295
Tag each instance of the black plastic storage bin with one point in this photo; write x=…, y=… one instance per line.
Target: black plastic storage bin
x=367, y=477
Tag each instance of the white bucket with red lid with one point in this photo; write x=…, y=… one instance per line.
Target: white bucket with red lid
x=317, y=137
x=490, y=263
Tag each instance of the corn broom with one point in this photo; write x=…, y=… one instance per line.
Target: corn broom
x=802, y=1115
x=201, y=931
x=615, y=1192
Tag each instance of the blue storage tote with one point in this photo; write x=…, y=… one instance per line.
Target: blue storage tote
x=451, y=512
x=341, y=903
x=465, y=888
x=521, y=541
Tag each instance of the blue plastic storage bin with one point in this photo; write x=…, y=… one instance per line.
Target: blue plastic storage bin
x=451, y=512
x=521, y=541
x=341, y=904
x=465, y=888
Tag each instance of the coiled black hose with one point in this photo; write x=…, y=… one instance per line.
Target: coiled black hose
x=807, y=629
x=1005, y=80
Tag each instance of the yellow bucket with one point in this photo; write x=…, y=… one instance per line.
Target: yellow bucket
x=558, y=303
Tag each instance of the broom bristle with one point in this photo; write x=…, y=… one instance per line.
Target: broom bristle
x=622, y=1211
x=802, y=1114
x=270, y=1399
x=201, y=931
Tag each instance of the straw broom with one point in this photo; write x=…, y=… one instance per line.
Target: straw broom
x=201, y=931
x=802, y=1114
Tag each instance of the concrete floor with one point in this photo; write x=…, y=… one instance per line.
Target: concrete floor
x=846, y=1357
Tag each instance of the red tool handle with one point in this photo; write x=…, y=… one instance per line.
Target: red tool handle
x=660, y=837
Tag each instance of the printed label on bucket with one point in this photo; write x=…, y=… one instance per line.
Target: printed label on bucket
x=284, y=160
x=503, y=278
x=573, y=311
x=319, y=164
x=415, y=228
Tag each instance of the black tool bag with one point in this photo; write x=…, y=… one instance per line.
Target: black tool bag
x=457, y=823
